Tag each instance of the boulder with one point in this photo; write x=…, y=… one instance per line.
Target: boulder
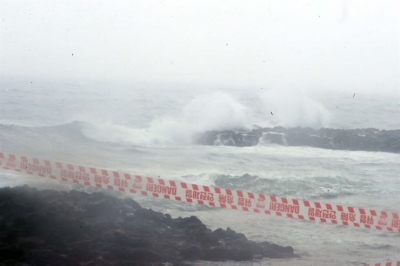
x=364, y=139
x=76, y=228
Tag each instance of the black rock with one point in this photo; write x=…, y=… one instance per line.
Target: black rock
x=75, y=228
x=365, y=139
x=192, y=253
x=227, y=253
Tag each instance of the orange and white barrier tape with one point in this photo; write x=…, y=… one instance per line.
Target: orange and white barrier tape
x=207, y=195
x=388, y=263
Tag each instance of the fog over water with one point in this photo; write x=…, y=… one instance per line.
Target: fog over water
x=128, y=86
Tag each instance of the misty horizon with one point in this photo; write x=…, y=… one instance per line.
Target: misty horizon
x=339, y=45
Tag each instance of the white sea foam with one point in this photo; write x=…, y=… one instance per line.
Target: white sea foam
x=213, y=111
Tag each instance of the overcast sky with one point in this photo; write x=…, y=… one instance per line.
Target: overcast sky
x=320, y=44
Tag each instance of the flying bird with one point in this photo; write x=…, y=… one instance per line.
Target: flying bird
x=354, y=95
x=272, y=113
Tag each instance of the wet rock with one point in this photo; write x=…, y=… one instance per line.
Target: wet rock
x=365, y=139
x=11, y=252
x=192, y=253
x=123, y=238
x=75, y=228
x=274, y=251
x=130, y=202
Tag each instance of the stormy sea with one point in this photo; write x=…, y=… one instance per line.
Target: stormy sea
x=341, y=147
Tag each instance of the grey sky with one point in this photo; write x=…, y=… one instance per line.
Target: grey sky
x=278, y=44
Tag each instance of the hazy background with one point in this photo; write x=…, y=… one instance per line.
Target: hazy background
x=127, y=84
x=336, y=45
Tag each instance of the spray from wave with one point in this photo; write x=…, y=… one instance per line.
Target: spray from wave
x=293, y=109
x=215, y=111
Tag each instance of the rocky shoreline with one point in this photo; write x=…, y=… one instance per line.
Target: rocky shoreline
x=50, y=227
x=367, y=139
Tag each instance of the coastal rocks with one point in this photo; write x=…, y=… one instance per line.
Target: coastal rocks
x=75, y=228
x=368, y=139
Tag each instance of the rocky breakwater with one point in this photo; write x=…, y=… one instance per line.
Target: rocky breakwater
x=75, y=228
x=367, y=139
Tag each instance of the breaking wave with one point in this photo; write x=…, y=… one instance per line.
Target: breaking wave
x=169, y=132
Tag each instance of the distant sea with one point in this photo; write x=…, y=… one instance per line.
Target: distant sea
x=149, y=131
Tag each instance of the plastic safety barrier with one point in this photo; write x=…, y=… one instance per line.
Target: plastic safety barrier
x=206, y=195
x=388, y=263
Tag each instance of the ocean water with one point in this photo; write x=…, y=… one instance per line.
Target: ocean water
x=148, y=130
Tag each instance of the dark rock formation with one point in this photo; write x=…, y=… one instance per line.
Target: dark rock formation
x=369, y=139
x=75, y=228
